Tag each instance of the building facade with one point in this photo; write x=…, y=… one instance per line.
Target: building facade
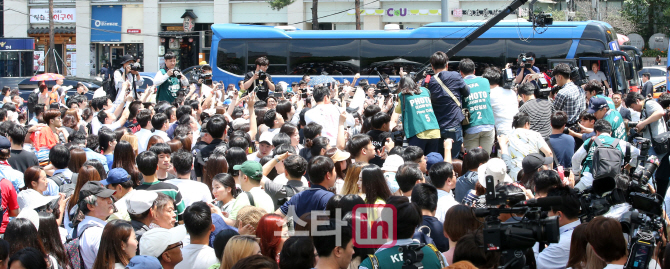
x=105, y=30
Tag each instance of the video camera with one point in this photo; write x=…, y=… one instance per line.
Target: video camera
x=578, y=75
x=598, y=200
x=206, y=78
x=645, y=234
x=518, y=235
x=412, y=255
x=524, y=61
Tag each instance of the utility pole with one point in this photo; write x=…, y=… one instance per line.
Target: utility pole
x=315, y=15
x=52, y=46
x=445, y=10
x=358, y=14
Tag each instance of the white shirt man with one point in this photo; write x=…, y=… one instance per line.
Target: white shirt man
x=505, y=105
x=327, y=115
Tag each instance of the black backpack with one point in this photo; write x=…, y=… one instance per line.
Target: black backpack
x=109, y=87
x=607, y=159
x=64, y=185
x=287, y=192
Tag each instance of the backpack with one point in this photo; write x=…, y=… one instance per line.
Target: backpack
x=288, y=192
x=606, y=160
x=33, y=98
x=73, y=250
x=109, y=87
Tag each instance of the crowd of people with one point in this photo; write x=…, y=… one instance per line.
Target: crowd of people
x=255, y=175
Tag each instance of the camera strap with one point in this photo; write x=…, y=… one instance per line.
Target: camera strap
x=444, y=87
x=443, y=263
x=374, y=261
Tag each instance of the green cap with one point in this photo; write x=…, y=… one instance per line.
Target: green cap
x=251, y=169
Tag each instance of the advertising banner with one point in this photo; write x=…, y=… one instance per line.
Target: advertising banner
x=106, y=23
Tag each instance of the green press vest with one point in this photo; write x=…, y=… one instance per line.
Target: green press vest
x=417, y=113
x=479, y=102
x=606, y=140
x=168, y=90
x=618, y=127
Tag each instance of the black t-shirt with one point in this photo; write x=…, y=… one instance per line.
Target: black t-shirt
x=263, y=89
x=203, y=155
x=377, y=141
x=20, y=160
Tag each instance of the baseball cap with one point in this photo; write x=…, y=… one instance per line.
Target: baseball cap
x=534, y=161
x=596, y=104
x=94, y=188
x=266, y=137
x=116, y=176
x=251, y=169
x=392, y=163
x=144, y=262
x=494, y=167
x=433, y=158
x=139, y=201
x=4, y=143
x=155, y=241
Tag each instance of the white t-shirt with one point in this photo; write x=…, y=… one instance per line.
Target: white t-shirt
x=505, y=106
x=328, y=116
x=261, y=200
x=523, y=142
x=657, y=127
x=281, y=179
x=191, y=191
x=143, y=136
x=197, y=256
x=253, y=157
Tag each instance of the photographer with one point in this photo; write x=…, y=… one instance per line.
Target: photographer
x=601, y=110
x=605, y=237
x=418, y=118
x=127, y=73
x=387, y=257
x=651, y=125
x=169, y=80
x=259, y=79
x=556, y=255
x=569, y=99
x=447, y=107
x=480, y=132
x=539, y=109
x=522, y=72
x=584, y=154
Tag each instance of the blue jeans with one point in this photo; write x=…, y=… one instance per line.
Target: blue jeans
x=427, y=145
x=455, y=133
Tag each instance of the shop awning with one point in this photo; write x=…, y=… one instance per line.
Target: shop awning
x=177, y=33
x=57, y=30
x=190, y=13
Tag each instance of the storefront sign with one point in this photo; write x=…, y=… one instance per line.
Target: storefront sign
x=38, y=61
x=174, y=28
x=134, y=31
x=106, y=23
x=188, y=24
x=71, y=58
x=41, y=15
x=392, y=12
x=459, y=13
x=17, y=44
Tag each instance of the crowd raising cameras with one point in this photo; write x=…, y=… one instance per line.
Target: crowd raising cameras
x=476, y=172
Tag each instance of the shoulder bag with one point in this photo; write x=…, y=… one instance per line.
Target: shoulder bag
x=661, y=143
x=464, y=110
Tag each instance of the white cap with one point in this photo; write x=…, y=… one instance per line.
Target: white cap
x=30, y=215
x=392, y=163
x=266, y=136
x=155, y=241
x=494, y=167
x=140, y=201
x=39, y=201
x=237, y=123
x=99, y=93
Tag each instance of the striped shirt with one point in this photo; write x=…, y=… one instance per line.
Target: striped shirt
x=169, y=190
x=540, y=111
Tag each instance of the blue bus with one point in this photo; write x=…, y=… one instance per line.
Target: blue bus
x=342, y=54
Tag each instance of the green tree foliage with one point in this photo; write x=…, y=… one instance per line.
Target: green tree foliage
x=279, y=4
x=649, y=16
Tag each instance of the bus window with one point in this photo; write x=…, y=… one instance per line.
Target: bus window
x=275, y=51
x=620, y=77
x=333, y=56
x=231, y=56
x=388, y=55
x=484, y=52
x=589, y=48
x=544, y=50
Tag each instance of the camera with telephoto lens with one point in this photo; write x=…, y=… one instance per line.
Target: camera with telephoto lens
x=644, y=231
x=598, y=199
x=135, y=67
x=412, y=255
x=516, y=235
x=645, y=168
x=176, y=73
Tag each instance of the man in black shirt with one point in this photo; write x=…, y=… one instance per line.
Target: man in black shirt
x=20, y=159
x=380, y=123
x=254, y=80
x=216, y=128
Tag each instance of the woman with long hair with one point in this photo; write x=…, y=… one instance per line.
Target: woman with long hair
x=239, y=247
x=235, y=156
x=52, y=239
x=124, y=157
x=20, y=234
x=77, y=159
x=418, y=120
x=577, y=258
x=132, y=139
x=267, y=231
x=117, y=245
x=351, y=179
x=373, y=185
x=215, y=165
x=35, y=184
x=292, y=131
x=86, y=173
x=108, y=142
x=175, y=145
x=224, y=191
x=286, y=110
x=153, y=140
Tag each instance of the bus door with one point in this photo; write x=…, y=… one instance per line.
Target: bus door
x=604, y=65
